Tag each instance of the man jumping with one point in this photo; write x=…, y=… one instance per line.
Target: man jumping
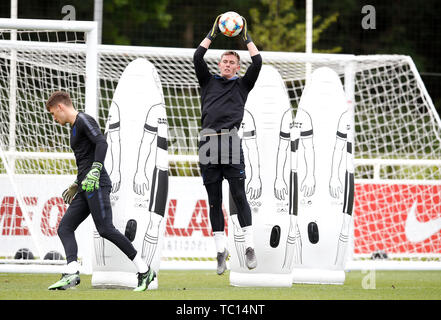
x=223, y=100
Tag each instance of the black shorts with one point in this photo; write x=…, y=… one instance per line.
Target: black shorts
x=221, y=157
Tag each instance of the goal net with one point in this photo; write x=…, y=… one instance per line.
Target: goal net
x=397, y=146
x=38, y=57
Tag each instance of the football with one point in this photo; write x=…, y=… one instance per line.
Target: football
x=24, y=253
x=230, y=24
x=53, y=255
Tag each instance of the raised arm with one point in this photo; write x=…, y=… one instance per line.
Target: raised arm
x=200, y=66
x=253, y=70
x=252, y=49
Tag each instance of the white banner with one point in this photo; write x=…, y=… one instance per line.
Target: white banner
x=45, y=208
x=186, y=227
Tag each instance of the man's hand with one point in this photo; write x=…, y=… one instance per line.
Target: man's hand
x=70, y=192
x=254, y=188
x=115, y=177
x=335, y=187
x=92, y=180
x=280, y=188
x=214, y=30
x=140, y=183
x=308, y=185
x=245, y=35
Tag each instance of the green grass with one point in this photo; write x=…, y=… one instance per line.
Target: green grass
x=206, y=285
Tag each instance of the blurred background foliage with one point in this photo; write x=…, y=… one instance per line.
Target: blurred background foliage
x=402, y=26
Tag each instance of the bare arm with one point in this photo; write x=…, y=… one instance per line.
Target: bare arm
x=205, y=43
x=252, y=49
x=280, y=186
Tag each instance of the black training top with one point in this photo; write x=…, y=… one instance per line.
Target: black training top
x=88, y=145
x=223, y=100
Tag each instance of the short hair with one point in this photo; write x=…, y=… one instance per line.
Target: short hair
x=58, y=97
x=231, y=53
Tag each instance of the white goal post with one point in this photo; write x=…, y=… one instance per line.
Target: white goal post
x=53, y=55
x=397, y=142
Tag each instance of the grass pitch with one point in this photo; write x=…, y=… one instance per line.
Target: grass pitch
x=206, y=285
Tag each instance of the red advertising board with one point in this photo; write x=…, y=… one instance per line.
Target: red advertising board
x=397, y=218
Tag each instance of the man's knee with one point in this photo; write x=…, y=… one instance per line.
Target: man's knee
x=237, y=188
x=105, y=232
x=63, y=229
x=214, y=191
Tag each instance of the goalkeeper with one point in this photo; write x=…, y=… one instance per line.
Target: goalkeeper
x=89, y=193
x=223, y=100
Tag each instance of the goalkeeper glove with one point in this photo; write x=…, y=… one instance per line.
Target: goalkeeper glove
x=214, y=30
x=245, y=35
x=70, y=192
x=92, y=180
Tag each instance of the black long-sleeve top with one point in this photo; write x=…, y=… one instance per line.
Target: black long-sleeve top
x=223, y=100
x=89, y=145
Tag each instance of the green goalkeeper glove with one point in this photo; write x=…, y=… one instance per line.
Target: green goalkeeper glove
x=92, y=180
x=214, y=30
x=245, y=35
x=70, y=192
